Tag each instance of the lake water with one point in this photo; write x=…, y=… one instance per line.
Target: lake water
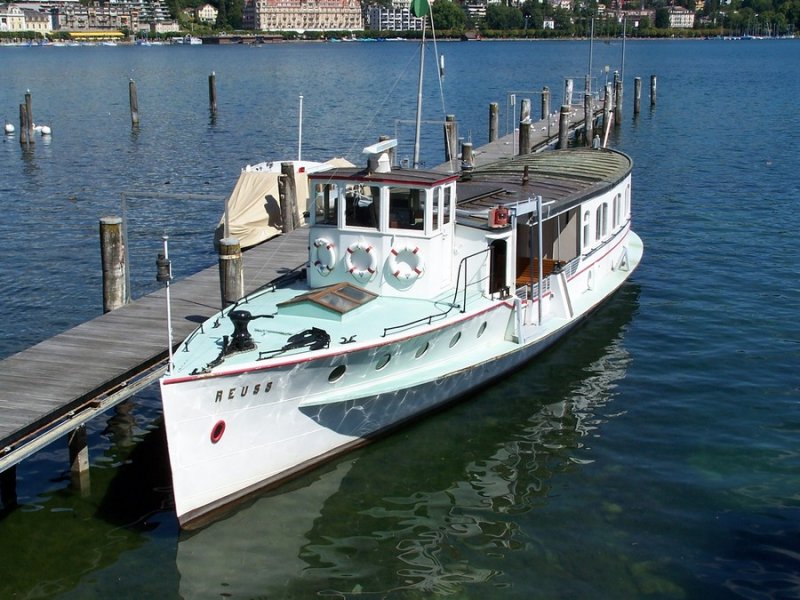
x=653, y=454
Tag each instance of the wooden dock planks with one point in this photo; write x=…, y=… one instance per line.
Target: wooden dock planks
x=45, y=382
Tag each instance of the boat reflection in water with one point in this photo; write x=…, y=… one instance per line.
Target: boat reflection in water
x=454, y=502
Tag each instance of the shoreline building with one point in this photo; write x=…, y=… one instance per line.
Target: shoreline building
x=396, y=17
x=303, y=15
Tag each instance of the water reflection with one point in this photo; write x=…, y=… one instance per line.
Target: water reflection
x=435, y=507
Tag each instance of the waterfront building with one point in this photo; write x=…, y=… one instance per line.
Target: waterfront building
x=397, y=17
x=11, y=18
x=304, y=15
x=680, y=18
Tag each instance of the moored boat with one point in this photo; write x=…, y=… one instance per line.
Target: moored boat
x=420, y=287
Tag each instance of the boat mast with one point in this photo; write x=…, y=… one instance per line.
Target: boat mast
x=419, y=96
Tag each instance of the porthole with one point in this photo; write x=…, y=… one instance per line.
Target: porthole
x=422, y=350
x=217, y=431
x=482, y=329
x=337, y=373
x=455, y=339
x=383, y=361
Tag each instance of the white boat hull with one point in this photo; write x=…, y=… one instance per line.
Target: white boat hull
x=279, y=421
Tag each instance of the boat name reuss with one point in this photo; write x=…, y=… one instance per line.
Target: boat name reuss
x=242, y=391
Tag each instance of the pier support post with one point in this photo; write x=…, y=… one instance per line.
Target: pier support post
x=588, y=119
x=563, y=127
x=287, y=191
x=652, y=90
x=450, y=137
x=617, y=102
x=231, y=271
x=212, y=93
x=8, y=487
x=525, y=136
x=637, y=95
x=494, y=117
x=114, y=263
x=525, y=109
x=79, y=459
x=545, y=102
x=134, y=100
x=568, y=87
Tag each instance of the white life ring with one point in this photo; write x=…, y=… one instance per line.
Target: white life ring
x=325, y=256
x=406, y=263
x=356, y=267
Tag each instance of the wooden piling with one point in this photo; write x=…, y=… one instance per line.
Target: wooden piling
x=607, y=107
x=450, y=137
x=494, y=115
x=29, y=116
x=114, y=263
x=287, y=197
x=588, y=119
x=212, y=93
x=79, y=459
x=568, y=87
x=563, y=127
x=652, y=90
x=23, y=126
x=637, y=95
x=289, y=183
x=8, y=487
x=525, y=109
x=525, y=137
x=618, y=102
x=467, y=157
x=545, y=102
x=134, y=101
x=231, y=271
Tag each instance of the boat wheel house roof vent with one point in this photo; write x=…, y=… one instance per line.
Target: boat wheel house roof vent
x=378, y=156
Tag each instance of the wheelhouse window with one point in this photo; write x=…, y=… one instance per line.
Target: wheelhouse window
x=448, y=203
x=437, y=212
x=406, y=208
x=325, y=204
x=362, y=206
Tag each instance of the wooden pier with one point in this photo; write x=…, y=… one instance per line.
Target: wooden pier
x=54, y=388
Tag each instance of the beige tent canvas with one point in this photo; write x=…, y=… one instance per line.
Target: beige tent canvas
x=253, y=212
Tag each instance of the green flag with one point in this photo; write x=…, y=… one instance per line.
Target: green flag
x=420, y=8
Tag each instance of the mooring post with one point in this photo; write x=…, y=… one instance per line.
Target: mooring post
x=134, y=103
x=494, y=117
x=450, y=137
x=607, y=107
x=231, y=271
x=467, y=157
x=114, y=261
x=568, y=87
x=525, y=109
x=23, y=126
x=212, y=92
x=29, y=116
x=617, y=102
x=287, y=193
x=587, y=84
x=77, y=440
x=8, y=487
x=652, y=90
x=563, y=127
x=525, y=136
x=588, y=119
x=545, y=102
x=637, y=95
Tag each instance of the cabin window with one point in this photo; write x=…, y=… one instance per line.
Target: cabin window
x=325, y=204
x=362, y=206
x=601, y=221
x=437, y=213
x=604, y=213
x=586, y=229
x=406, y=208
x=627, y=201
x=615, y=216
x=448, y=201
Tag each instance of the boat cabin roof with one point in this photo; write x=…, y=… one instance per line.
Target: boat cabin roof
x=564, y=178
x=397, y=176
